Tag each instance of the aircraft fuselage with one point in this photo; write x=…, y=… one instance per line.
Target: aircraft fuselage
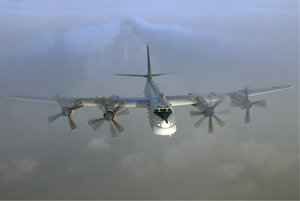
x=161, y=114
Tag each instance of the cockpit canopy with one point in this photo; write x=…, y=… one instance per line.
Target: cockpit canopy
x=163, y=111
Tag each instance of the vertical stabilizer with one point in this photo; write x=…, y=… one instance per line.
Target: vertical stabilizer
x=149, y=74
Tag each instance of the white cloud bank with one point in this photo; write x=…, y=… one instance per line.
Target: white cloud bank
x=18, y=169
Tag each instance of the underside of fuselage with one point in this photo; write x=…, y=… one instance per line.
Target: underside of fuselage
x=161, y=126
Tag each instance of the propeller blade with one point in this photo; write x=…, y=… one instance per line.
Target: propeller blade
x=53, y=118
x=234, y=105
x=247, y=117
x=228, y=111
x=210, y=126
x=246, y=90
x=122, y=112
x=120, y=129
x=260, y=103
x=194, y=113
x=71, y=123
x=95, y=123
x=113, y=129
x=220, y=121
x=199, y=122
x=101, y=107
x=216, y=104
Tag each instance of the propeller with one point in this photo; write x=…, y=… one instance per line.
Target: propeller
x=209, y=113
x=65, y=112
x=109, y=115
x=247, y=104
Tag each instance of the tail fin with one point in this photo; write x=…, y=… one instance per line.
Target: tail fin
x=149, y=73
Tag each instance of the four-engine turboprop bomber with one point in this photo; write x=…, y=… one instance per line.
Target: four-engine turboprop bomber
x=159, y=106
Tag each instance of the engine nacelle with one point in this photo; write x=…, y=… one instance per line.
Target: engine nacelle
x=237, y=97
x=108, y=104
x=213, y=96
x=201, y=105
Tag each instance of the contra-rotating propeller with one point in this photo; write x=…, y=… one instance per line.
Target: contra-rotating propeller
x=65, y=112
x=109, y=115
x=247, y=104
x=208, y=112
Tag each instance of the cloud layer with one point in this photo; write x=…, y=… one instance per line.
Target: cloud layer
x=74, y=48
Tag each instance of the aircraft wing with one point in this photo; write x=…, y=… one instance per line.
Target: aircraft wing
x=191, y=99
x=142, y=102
x=111, y=107
x=262, y=91
x=126, y=102
x=64, y=100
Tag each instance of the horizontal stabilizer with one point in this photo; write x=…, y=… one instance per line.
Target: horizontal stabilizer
x=145, y=76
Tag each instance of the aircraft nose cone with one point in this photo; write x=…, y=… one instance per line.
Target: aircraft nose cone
x=165, y=124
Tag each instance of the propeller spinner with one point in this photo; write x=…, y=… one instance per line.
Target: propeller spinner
x=65, y=112
x=247, y=104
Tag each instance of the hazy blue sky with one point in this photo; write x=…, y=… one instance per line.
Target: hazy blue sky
x=74, y=47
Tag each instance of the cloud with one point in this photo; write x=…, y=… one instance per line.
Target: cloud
x=209, y=158
x=230, y=172
x=139, y=165
x=209, y=45
x=18, y=169
x=98, y=145
x=232, y=158
x=73, y=170
x=177, y=39
x=78, y=42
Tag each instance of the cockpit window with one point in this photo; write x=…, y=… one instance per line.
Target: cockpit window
x=163, y=112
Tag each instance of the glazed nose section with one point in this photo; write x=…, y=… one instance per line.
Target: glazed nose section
x=164, y=112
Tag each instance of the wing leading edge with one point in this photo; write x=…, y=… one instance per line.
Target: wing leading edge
x=191, y=99
x=142, y=102
x=128, y=102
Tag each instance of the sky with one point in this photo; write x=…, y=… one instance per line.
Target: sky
x=73, y=48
